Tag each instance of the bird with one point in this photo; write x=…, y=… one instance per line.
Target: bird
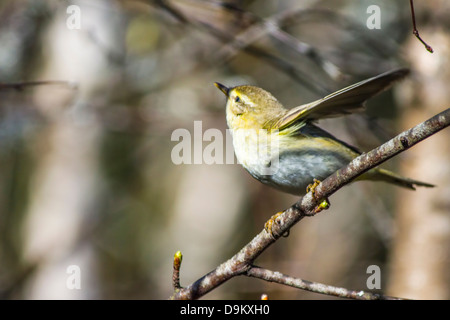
x=285, y=149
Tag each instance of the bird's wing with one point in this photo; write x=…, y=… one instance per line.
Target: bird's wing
x=344, y=101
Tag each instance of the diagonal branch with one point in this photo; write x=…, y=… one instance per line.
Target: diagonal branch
x=241, y=263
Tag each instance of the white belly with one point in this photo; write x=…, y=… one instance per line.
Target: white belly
x=257, y=151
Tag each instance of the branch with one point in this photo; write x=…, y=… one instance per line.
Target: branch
x=251, y=28
x=415, y=31
x=23, y=85
x=178, y=257
x=277, y=277
x=242, y=262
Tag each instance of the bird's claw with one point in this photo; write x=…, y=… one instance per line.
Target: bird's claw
x=323, y=204
x=269, y=225
x=312, y=187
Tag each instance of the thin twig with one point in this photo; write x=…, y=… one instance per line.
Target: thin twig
x=22, y=85
x=241, y=263
x=262, y=27
x=254, y=27
x=177, y=258
x=277, y=277
x=415, y=31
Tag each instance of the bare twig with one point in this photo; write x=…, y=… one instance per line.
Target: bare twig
x=177, y=258
x=250, y=29
x=242, y=262
x=277, y=277
x=415, y=31
x=23, y=85
x=262, y=27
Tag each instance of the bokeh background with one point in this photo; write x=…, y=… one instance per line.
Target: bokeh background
x=86, y=176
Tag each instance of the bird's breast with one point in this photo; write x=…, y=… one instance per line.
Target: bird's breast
x=255, y=149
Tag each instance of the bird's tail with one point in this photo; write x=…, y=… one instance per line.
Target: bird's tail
x=391, y=177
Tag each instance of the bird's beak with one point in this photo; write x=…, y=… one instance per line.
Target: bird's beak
x=222, y=88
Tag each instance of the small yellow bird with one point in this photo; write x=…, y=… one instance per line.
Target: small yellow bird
x=284, y=149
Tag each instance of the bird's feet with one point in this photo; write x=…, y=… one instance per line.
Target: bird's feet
x=322, y=204
x=312, y=187
x=269, y=225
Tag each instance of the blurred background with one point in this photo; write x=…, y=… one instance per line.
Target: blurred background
x=86, y=174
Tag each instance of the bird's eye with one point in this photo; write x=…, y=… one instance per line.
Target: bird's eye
x=237, y=99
